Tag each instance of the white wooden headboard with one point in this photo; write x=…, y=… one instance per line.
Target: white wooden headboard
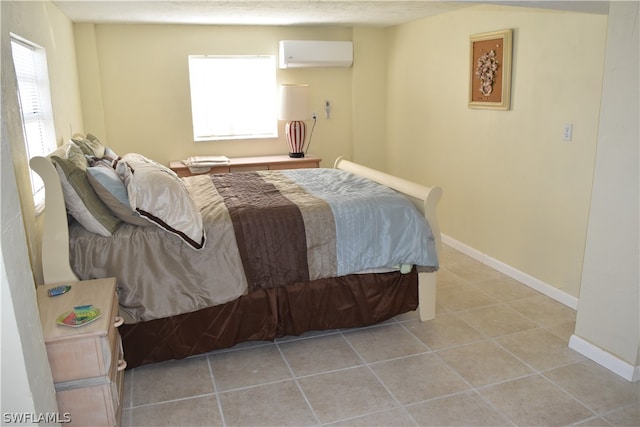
x=55, y=230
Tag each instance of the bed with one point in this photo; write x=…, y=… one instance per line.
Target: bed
x=299, y=274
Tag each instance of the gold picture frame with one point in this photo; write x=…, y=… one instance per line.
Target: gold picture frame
x=490, y=70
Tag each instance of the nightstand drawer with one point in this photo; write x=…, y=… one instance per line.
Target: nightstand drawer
x=97, y=405
x=86, y=356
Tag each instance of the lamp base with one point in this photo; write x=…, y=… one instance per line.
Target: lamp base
x=296, y=132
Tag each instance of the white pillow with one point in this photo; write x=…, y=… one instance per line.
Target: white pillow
x=158, y=195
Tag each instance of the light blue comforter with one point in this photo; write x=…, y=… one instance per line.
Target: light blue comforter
x=385, y=231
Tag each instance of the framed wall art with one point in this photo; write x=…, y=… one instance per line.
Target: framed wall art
x=490, y=73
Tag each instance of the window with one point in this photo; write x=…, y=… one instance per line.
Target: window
x=233, y=97
x=30, y=62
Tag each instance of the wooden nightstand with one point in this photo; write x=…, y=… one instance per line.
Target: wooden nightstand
x=87, y=362
x=240, y=164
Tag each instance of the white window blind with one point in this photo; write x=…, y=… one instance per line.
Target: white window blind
x=233, y=97
x=30, y=64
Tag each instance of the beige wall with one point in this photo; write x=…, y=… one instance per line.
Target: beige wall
x=609, y=313
x=41, y=23
x=513, y=189
x=370, y=97
x=27, y=385
x=135, y=87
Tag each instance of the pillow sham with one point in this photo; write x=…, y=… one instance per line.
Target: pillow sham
x=90, y=147
x=74, y=154
x=81, y=201
x=93, y=148
x=158, y=195
x=111, y=190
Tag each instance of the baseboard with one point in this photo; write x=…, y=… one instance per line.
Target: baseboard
x=605, y=359
x=532, y=282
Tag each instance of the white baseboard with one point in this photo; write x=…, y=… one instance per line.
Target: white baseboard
x=532, y=282
x=605, y=359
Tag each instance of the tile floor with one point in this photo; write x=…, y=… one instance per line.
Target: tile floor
x=495, y=355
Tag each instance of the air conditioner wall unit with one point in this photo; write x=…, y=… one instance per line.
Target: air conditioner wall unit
x=313, y=53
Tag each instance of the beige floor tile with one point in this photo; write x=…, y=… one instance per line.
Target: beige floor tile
x=540, y=348
x=484, y=363
x=595, y=422
x=628, y=416
x=410, y=315
x=595, y=386
x=308, y=334
x=384, y=342
x=444, y=331
x=171, y=380
x=449, y=255
x=474, y=271
x=497, y=320
x=462, y=296
x=534, y=401
x=506, y=289
x=446, y=278
x=454, y=370
x=392, y=418
x=199, y=411
x=320, y=354
x=248, y=367
x=563, y=330
x=416, y=378
x=544, y=310
x=277, y=404
x=349, y=393
x=465, y=409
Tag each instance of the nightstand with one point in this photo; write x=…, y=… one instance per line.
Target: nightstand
x=240, y=164
x=87, y=361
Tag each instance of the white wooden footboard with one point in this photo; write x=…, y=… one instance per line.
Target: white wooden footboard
x=426, y=200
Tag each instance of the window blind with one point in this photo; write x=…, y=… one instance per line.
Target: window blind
x=35, y=106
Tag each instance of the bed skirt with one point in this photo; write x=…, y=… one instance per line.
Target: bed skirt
x=265, y=314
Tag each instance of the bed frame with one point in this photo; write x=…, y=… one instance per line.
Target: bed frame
x=56, y=267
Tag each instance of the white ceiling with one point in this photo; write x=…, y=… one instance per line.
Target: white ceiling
x=285, y=12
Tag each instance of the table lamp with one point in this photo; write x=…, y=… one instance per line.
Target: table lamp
x=295, y=108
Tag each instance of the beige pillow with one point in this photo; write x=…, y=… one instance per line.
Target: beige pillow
x=81, y=200
x=90, y=145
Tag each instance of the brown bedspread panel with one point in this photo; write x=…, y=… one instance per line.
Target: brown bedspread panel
x=265, y=314
x=269, y=228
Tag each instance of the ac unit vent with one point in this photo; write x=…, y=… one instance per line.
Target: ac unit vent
x=313, y=53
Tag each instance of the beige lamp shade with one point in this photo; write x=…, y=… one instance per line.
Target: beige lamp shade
x=295, y=102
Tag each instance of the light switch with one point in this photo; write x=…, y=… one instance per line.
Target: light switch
x=567, y=132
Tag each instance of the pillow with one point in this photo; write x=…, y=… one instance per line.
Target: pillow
x=109, y=187
x=81, y=201
x=158, y=195
x=74, y=154
x=90, y=147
